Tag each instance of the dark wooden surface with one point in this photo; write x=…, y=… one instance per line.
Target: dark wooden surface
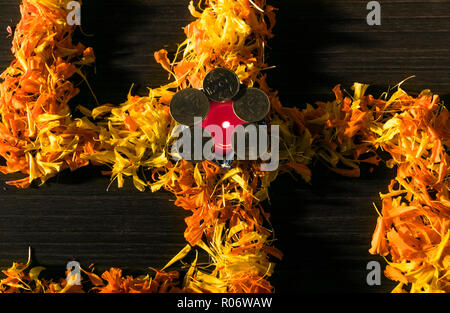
x=323, y=228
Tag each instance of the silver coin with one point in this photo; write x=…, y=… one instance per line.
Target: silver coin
x=188, y=104
x=251, y=105
x=221, y=85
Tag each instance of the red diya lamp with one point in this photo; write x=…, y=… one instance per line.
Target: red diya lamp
x=223, y=104
x=222, y=114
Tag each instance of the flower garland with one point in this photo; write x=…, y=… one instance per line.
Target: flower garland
x=227, y=221
x=38, y=136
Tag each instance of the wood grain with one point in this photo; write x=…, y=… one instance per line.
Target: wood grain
x=323, y=228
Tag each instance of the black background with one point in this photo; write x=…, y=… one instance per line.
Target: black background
x=324, y=228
